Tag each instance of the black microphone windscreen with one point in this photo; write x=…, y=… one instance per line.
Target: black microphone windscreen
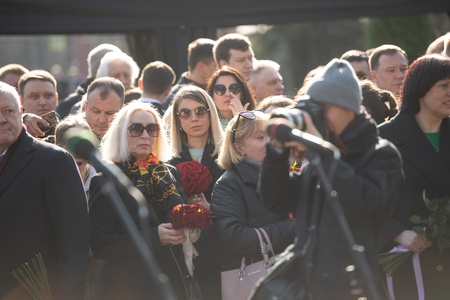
x=81, y=142
x=280, y=129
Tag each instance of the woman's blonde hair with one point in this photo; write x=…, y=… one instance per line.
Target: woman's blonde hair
x=114, y=145
x=229, y=156
x=179, y=137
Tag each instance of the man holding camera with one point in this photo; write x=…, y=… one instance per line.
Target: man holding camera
x=39, y=98
x=366, y=177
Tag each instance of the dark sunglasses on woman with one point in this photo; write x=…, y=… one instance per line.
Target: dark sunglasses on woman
x=185, y=113
x=234, y=88
x=136, y=129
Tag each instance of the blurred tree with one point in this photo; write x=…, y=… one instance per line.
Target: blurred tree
x=301, y=47
x=411, y=33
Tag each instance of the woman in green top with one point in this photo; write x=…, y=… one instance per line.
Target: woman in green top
x=421, y=132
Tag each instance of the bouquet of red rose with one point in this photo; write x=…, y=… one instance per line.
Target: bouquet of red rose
x=195, y=177
x=192, y=218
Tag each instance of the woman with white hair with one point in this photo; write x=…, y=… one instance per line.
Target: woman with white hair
x=136, y=143
x=121, y=66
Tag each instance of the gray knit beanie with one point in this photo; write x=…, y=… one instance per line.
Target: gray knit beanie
x=96, y=55
x=336, y=84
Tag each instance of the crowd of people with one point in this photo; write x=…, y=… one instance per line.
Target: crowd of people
x=388, y=118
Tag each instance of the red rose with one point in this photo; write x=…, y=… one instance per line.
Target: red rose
x=191, y=216
x=195, y=177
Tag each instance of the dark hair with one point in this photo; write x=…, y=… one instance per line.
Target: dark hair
x=106, y=86
x=374, y=100
x=41, y=75
x=420, y=78
x=247, y=94
x=230, y=41
x=376, y=53
x=200, y=50
x=156, y=77
x=355, y=55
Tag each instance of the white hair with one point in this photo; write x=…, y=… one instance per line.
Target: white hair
x=259, y=65
x=11, y=92
x=114, y=145
x=103, y=69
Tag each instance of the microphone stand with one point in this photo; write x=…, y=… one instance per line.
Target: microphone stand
x=115, y=177
x=331, y=196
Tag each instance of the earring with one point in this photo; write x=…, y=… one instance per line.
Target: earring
x=181, y=129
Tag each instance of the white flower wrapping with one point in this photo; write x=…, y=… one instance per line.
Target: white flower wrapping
x=192, y=235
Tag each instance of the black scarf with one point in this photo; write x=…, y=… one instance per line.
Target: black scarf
x=357, y=136
x=156, y=182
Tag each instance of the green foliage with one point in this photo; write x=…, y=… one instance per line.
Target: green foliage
x=411, y=33
x=437, y=225
x=33, y=277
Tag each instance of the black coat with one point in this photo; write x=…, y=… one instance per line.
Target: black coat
x=43, y=210
x=207, y=160
x=64, y=107
x=206, y=264
x=367, y=182
x=425, y=170
x=237, y=210
x=123, y=275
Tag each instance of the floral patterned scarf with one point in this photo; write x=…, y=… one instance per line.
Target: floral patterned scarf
x=156, y=181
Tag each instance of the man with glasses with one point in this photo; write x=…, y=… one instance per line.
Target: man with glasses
x=235, y=50
x=360, y=63
x=156, y=82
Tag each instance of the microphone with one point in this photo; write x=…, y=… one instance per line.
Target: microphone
x=284, y=130
x=83, y=143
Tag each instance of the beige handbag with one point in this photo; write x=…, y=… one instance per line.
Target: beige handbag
x=237, y=284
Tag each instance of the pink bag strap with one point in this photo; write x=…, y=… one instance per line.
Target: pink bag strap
x=266, y=247
x=268, y=242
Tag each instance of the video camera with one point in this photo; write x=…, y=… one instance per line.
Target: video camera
x=295, y=114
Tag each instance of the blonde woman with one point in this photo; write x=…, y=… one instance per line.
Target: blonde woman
x=196, y=134
x=235, y=204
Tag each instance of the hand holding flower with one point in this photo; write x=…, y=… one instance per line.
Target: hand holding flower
x=170, y=236
x=200, y=198
x=413, y=241
x=191, y=218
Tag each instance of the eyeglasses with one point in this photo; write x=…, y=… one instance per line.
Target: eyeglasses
x=136, y=129
x=185, y=113
x=234, y=88
x=249, y=115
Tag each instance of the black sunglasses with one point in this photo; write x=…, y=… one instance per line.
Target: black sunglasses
x=185, y=113
x=136, y=129
x=249, y=115
x=234, y=88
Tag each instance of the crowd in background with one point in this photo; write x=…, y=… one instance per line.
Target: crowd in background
x=387, y=116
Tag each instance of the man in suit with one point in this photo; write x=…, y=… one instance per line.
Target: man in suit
x=42, y=208
x=156, y=82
